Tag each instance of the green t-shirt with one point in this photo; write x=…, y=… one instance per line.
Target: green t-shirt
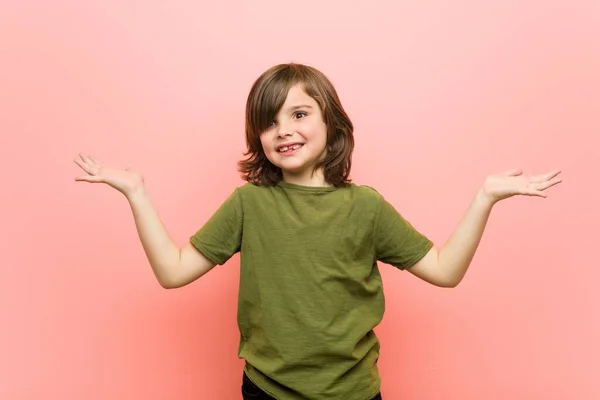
x=310, y=291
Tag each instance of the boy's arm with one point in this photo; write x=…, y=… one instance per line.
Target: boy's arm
x=172, y=266
x=447, y=266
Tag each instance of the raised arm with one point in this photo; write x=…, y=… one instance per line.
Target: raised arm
x=172, y=266
x=447, y=266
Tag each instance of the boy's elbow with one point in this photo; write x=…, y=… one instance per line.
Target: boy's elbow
x=171, y=282
x=167, y=284
x=445, y=281
x=451, y=283
x=168, y=281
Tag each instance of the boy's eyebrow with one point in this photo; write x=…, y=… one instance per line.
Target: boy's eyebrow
x=294, y=108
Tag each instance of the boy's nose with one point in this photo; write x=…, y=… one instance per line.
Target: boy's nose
x=284, y=131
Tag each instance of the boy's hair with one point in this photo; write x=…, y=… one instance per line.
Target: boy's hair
x=266, y=98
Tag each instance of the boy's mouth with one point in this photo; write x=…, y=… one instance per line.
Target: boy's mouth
x=289, y=148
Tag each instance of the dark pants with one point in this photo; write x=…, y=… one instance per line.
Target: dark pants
x=252, y=392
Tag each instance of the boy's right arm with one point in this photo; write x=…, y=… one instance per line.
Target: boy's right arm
x=172, y=266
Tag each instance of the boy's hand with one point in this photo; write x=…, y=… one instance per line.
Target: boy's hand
x=511, y=183
x=124, y=180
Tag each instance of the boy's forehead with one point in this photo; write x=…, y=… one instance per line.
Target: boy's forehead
x=297, y=97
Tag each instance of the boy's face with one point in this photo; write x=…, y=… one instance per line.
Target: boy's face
x=297, y=138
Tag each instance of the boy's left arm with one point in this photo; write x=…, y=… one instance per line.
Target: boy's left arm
x=447, y=266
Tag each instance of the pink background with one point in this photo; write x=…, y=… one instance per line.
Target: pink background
x=441, y=93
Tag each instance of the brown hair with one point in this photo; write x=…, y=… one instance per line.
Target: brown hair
x=267, y=96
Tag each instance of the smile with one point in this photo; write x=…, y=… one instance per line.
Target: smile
x=289, y=149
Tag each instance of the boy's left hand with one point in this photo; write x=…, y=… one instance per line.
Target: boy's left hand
x=511, y=183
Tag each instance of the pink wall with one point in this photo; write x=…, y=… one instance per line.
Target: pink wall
x=441, y=93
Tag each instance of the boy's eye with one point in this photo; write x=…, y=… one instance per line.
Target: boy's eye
x=298, y=115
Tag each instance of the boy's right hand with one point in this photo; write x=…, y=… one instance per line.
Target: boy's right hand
x=125, y=181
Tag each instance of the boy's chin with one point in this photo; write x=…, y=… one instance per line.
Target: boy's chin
x=300, y=170
x=293, y=166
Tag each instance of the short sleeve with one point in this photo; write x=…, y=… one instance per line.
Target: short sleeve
x=397, y=242
x=220, y=237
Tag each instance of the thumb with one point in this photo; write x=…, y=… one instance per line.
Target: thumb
x=88, y=178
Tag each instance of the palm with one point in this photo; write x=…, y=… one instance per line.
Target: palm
x=512, y=183
x=124, y=180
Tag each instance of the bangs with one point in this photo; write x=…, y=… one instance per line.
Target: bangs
x=268, y=97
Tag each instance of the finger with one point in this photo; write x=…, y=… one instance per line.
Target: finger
x=83, y=165
x=90, y=161
x=547, y=184
x=545, y=177
x=513, y=172
x=533, y=192
x=93, y=167
x=84, y=157
x=553, y=174
x=94, y=160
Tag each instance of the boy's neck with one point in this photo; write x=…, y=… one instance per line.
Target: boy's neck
x=317, y=179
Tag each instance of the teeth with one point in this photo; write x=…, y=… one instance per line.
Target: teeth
x=286, y=148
